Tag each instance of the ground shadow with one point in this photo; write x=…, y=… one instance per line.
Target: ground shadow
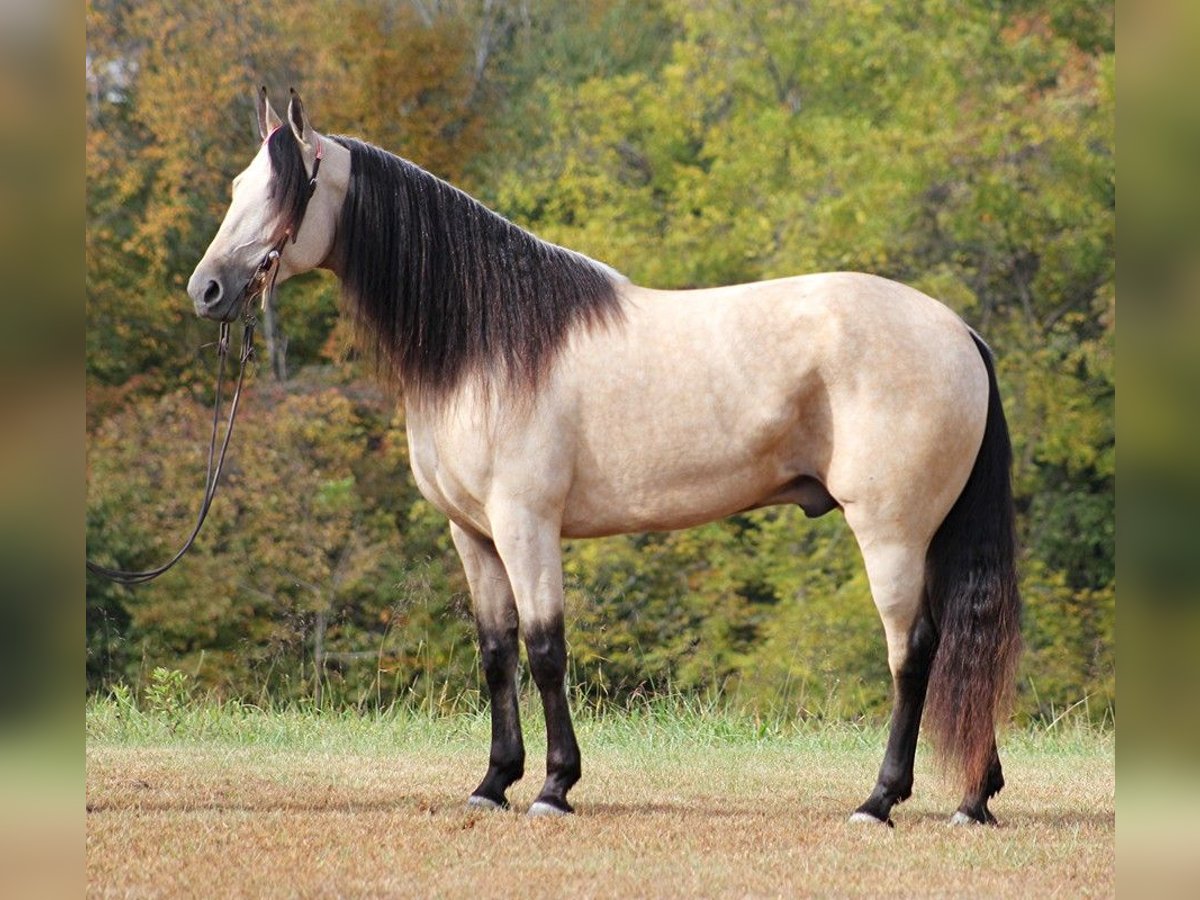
x=1053, y=818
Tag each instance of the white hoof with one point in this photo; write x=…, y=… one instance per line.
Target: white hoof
x=867, y=819
x=961, y=818
x=477, y=802
x=539, y=809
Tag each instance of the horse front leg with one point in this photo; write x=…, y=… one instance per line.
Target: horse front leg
x=496, y=622
x=532, y=556
x=546, y=646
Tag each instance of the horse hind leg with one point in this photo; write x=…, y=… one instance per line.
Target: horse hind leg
x=896, y=575
x=496, y=621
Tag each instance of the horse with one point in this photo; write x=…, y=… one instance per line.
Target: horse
x=547, y=396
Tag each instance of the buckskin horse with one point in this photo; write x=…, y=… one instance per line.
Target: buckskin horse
x=548, y=397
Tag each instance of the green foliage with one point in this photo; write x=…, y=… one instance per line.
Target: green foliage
x=966, y=148
x=303, y=557
x=168, y=692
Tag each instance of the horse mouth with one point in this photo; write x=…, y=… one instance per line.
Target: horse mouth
x=224, y=310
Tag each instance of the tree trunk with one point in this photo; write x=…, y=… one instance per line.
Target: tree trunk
x=318, y=657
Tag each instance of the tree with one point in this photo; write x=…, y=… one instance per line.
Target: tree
x=967, y=149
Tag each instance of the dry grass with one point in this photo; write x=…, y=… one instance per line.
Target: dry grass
x=382, y=813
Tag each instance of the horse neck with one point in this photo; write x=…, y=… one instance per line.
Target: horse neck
x=443, y=289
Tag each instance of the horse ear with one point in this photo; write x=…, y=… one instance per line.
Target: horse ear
x=298, y=119
x=268, y=120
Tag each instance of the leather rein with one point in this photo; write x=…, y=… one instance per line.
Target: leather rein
x=261, y=284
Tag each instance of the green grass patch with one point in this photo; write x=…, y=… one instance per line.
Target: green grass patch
x=169, y=713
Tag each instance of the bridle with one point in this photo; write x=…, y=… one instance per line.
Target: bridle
x=260, y=284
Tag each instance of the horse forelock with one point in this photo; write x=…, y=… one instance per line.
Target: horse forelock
x=442, y=289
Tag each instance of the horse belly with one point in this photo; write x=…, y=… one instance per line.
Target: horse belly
x=677, y=498
x=685, y=464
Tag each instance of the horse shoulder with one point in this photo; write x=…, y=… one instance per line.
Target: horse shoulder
x=483, y=451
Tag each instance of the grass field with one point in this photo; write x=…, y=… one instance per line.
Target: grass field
x=675, y=801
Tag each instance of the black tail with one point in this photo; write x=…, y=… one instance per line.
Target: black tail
x=971, y=585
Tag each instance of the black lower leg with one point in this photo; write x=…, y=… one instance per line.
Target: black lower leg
x=895, y=780
x=974, y=805
x=547, y=651
x=506, y=763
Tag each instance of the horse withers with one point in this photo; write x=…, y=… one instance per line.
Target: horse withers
x=549, y=397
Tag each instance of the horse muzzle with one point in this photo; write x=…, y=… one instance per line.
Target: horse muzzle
x=221, y=297
x=213, y=297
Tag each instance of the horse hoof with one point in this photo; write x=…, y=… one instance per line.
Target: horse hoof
x=868, y=819
x=962, y=818
x=475, y=801
x=541, y=808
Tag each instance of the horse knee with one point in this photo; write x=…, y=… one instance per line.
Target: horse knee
x=546, y=647
x=498, y=654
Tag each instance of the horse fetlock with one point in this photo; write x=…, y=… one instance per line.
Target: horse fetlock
x=500, y=776
x=566, y=776
x=563, y=759
x=995, y=780
x=561, y=776
x=896, y=785
x=507, y=771
x=975, y=801
x=878, y=806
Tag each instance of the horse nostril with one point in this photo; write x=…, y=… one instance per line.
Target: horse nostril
x=212, y=293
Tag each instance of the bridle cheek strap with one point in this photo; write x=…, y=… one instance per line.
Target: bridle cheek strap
x=312, y=182
x=312, y=187
x=268, y=269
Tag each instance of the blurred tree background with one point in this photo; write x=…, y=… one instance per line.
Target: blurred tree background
x=966, y=148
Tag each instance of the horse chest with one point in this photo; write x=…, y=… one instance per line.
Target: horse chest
x=474, y=462
x=449, y=474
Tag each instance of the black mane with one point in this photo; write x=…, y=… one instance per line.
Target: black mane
x=439, y=286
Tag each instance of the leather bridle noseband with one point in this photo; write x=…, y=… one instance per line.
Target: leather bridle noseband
x=260, y=284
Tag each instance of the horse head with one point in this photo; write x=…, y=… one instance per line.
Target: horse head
x=282, y=217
